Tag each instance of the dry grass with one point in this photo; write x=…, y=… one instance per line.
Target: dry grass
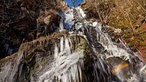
x=128, y=15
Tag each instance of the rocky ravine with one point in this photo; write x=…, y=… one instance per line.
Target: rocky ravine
x=86, y=53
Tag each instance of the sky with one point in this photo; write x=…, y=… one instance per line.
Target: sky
x=69, y=2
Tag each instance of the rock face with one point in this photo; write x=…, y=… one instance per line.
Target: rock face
x=68, y=57
x=84, y=54
x=25, y=20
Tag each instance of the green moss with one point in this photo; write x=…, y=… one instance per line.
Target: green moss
x=131, y=44
x=8, y=58
x=82, y=45
x=43, y=62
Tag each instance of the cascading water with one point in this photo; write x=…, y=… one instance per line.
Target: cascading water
x=101, y=44
x=66, y=66
x=86, y=54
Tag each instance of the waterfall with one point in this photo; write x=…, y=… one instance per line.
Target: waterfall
x=9, y=70
x=66, y=66
x=86, y=55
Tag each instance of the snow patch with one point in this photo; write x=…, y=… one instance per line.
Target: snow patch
x=95, y=24
x=81, y=12
x=68, y=18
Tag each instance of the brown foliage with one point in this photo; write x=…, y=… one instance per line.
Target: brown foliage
x=23, y=20
x=127, y=15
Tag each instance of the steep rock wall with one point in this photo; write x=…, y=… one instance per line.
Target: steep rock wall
x=25, y=20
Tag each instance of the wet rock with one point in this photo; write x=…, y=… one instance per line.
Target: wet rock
x=86, y=54
x=36, y=58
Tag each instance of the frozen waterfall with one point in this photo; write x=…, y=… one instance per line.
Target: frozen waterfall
x=84, y=54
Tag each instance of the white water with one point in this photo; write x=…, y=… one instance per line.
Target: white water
x=68, y=18
x=104, y=39
x=9, y=70
x=67, y=64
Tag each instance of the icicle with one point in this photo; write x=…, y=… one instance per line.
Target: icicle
x=61, y=44
x=10, y=70
x=67, y=46
x=55, y=51
x=61, y=25
x=65, y=67
x=143, y=69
